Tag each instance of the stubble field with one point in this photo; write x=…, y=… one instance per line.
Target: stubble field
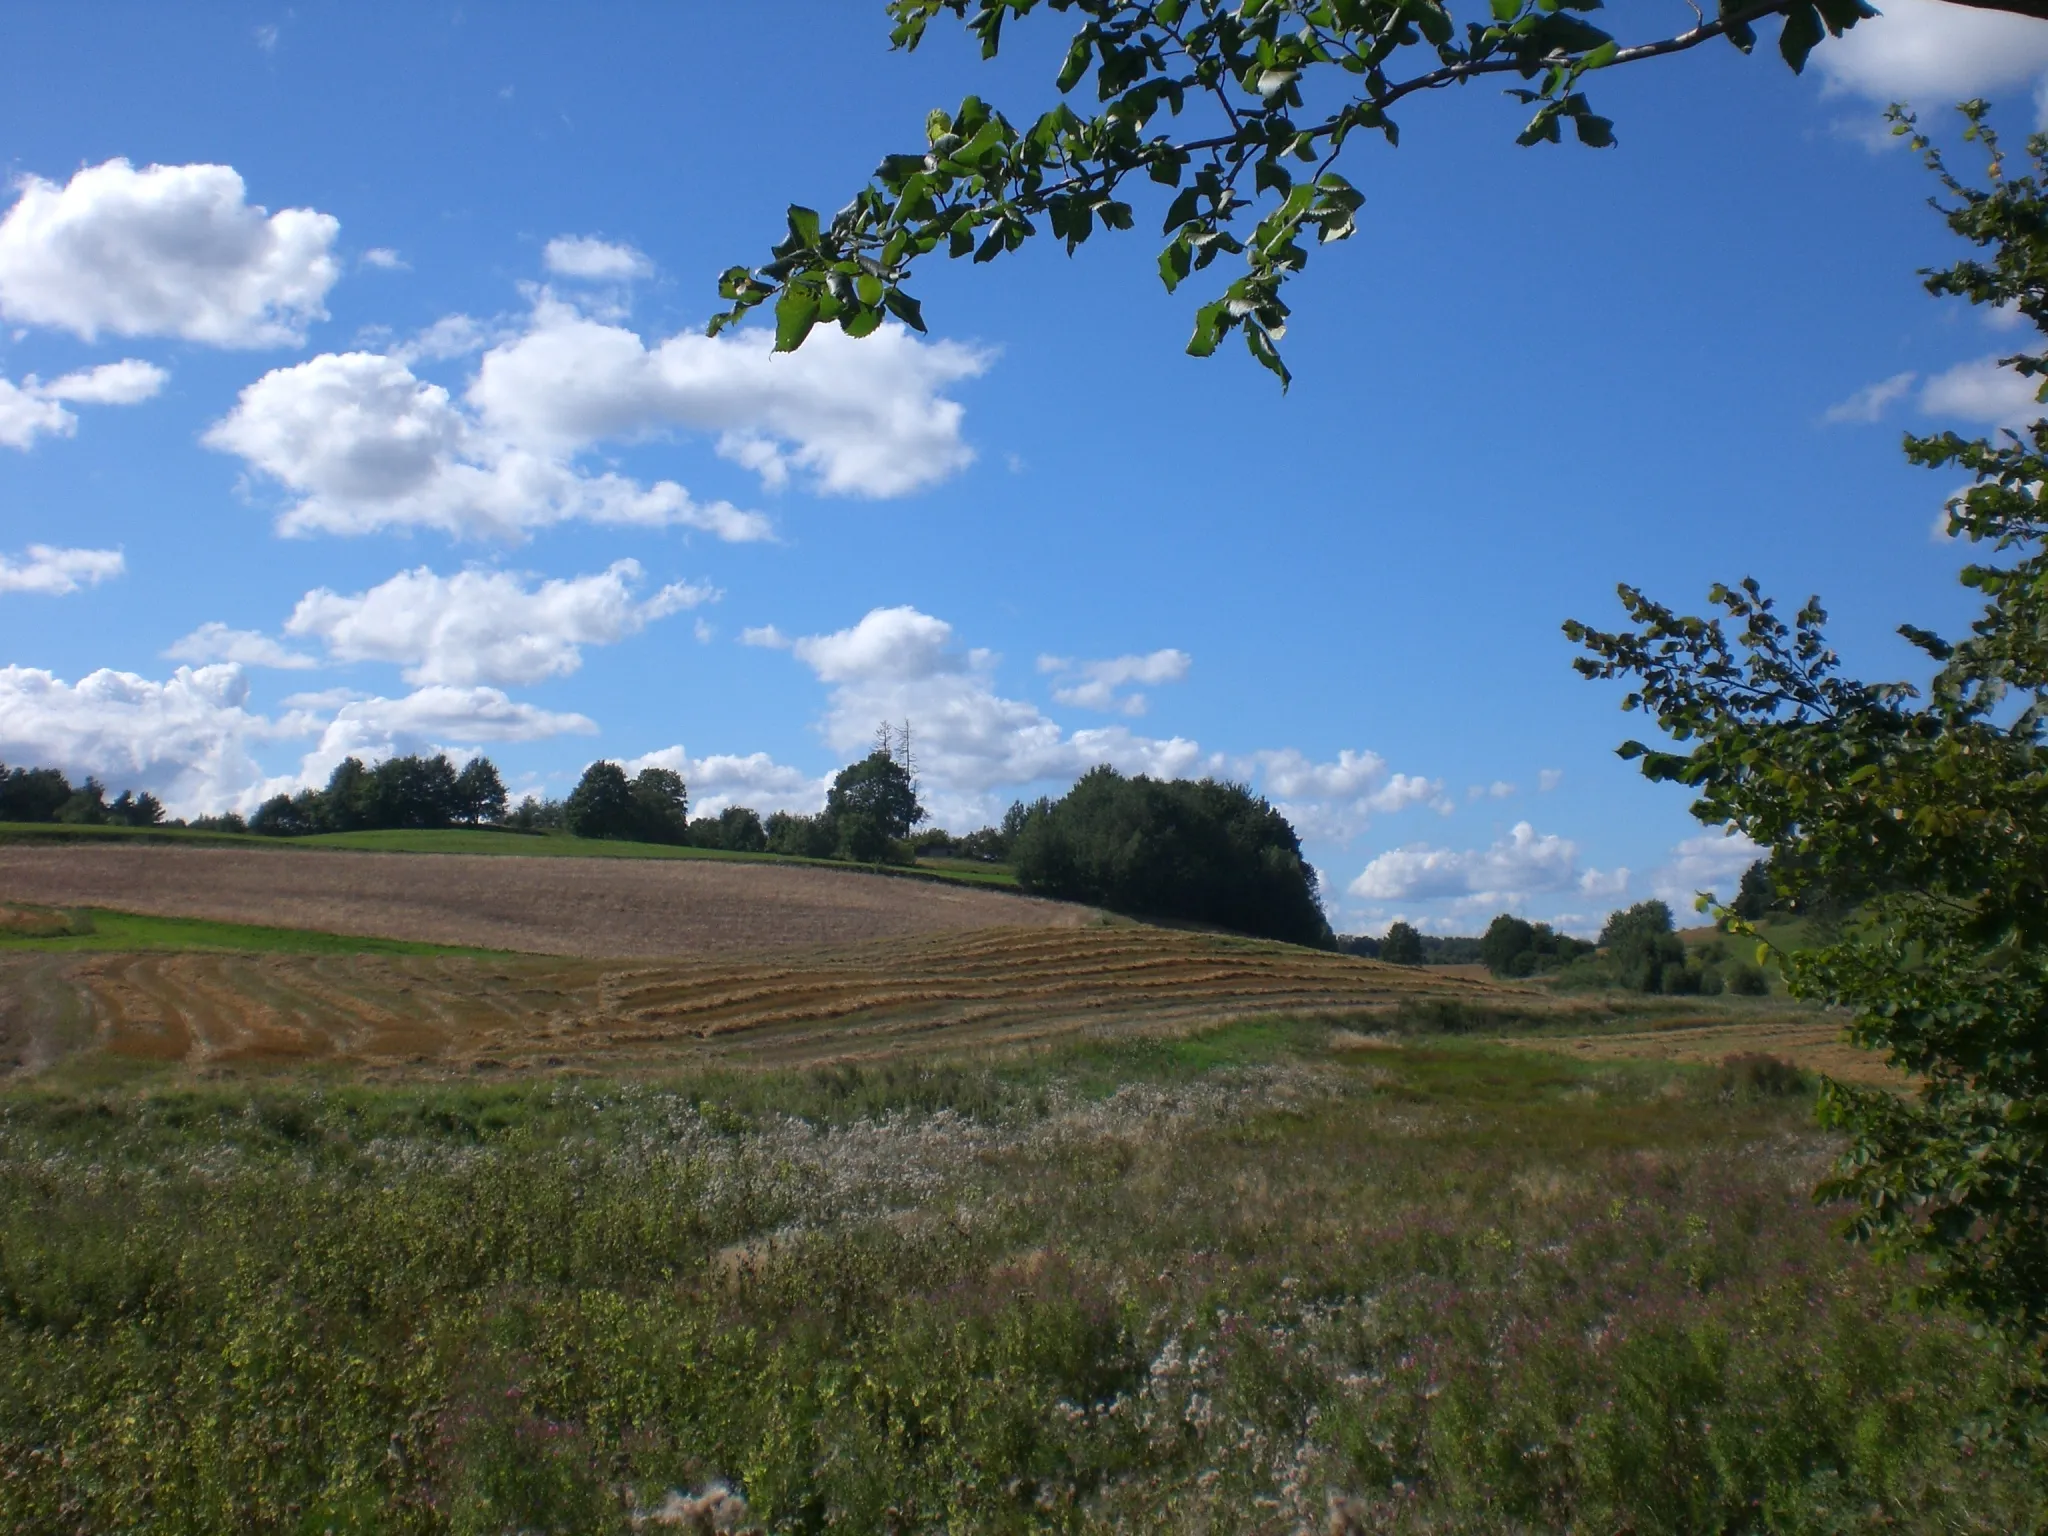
x=410, y=1015
x=604, y=908
x=1063, y=1224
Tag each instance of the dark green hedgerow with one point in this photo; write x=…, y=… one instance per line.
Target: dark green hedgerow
x=1205, y=1284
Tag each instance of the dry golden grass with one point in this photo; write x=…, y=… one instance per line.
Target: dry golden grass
x=1805, y=1038
x=434, y=1014
x=600, y=908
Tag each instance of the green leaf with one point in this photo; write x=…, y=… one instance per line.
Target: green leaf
x=795, y=313
x=904, y=308
x=1594, y=132
x=803, y=226
x=1078, y=54
x=1209, y=328
x=1802, y=32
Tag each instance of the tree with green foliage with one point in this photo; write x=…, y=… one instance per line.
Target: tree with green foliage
x=1754, y=896
x=872, y=803
x=661, y=807
x=1512, y=946
x=1235, y=113
x=32, y=794
x=1925, y=812
x=801, y=837
x=601, y=804
x=736, y=829
x=1644, y=951
x=1401, y=944
x=479, y=793
x=1190, y=849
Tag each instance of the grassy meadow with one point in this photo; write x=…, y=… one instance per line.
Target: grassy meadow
x=1271, y=1277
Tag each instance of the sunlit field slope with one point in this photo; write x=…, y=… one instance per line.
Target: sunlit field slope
x=952, y=992
x=545, y=904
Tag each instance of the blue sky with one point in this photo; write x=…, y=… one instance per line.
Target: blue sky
x=355, y=399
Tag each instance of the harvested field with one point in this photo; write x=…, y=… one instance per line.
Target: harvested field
x=1808, y=1040
x=409, y=1014
x=594, y=908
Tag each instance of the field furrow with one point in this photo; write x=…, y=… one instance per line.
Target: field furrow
x=442, y=1013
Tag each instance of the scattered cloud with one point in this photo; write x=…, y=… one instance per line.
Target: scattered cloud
x=1548, y=779
x=1713, y=861
x=766, y=636
x=385, y=259
x=902, y=665
x=266, y=37
x=1934, y=53
x=1982, y=391
x=1096, y=684
x=593, y=260
x=26, y=416
x=755, y=780
x=187, y=738
x=128, y=382
x=169, y=250
x=486, y=626
x=975, y=749
x=432, y=719
x=448, y=337
x=856, y=418
x=55, y=572
x=364, y=446
x=33, y=409
x=1499, y=789
x=1525, y=863
x=1338, y=799
x=1870, y=403
x=214, y=641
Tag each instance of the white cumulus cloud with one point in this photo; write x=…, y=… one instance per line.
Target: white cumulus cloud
x=1713, y=861
x=186, y=738
x=214, y=641
x=1522, y=864
x=55, y=572
x=857, y=418
x=486, y=626
x=26, y=416
x=364, y=445
x=1982, y=391
x=169, y=250
x=594, y=260
x=1096, y=684
x=1934, y=53
x=33, y=409
x=725, y=779
x=975, y=748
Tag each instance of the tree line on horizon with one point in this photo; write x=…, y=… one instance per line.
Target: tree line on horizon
x=1638, y=950
x=46, y=795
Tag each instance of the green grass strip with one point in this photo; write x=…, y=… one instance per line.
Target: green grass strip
x=139, y=931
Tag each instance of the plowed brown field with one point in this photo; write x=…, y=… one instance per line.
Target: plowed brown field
x=598, y=908
x=436, y=1014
